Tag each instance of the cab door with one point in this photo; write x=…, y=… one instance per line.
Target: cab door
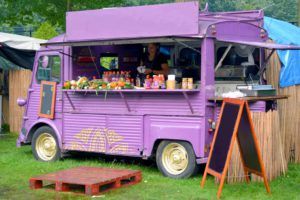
x=47, y=67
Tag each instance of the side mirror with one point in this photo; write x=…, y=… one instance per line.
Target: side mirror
x=21, y=102
x=45, y=61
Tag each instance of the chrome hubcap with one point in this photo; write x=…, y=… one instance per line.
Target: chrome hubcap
x=175, y=158
x=46, y=146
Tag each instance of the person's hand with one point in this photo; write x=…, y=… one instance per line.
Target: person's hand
x=141, y=69
x=148, y=71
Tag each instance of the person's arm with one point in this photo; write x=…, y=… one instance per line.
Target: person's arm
x=164, y=71
x=164, y=66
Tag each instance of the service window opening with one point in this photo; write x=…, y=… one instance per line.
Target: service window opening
x=235, y=64
x=93, y=62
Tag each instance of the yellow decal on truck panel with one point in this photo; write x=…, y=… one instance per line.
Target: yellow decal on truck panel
x=98, y=140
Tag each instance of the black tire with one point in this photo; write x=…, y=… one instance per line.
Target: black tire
x=191, y=165
x=45, y=131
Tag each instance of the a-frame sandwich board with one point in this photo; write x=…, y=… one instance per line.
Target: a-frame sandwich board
x=234, y=124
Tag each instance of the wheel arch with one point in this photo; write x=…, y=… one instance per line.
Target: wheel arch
x=40, y=123
x=158, y=141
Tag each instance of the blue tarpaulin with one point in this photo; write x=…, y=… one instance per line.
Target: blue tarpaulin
x=285, y=33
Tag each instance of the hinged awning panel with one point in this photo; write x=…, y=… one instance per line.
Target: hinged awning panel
x=133, y=22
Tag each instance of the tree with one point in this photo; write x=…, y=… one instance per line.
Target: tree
x=45, y=31
x=24, y=12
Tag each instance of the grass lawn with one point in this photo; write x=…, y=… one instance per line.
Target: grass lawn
x=17, y=165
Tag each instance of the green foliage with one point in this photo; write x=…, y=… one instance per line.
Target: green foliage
x=45, y=31
x=281, y=9
x=24, y=12
x=5, y=128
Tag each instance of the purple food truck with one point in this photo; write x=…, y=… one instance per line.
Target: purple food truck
x=174, y=126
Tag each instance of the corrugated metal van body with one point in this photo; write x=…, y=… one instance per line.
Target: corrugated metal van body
x=133, y=128
x=111, y=134
x=182, y=128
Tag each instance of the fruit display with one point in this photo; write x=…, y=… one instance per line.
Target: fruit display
x=97, y=84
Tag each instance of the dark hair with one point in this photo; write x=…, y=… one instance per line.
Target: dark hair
x=155, y=44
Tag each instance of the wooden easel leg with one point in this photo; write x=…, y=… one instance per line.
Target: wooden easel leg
x=247, y=176
x=266, y=183
x=221, y=186
x=203, y=179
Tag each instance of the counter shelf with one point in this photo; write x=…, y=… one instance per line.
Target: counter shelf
x=122, y=92
x=252, y=99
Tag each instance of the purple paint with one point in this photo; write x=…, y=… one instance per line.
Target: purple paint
x=21, y=102
x=133, y=22
x=130, y=122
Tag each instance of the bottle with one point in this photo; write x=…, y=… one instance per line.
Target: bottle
x=184, y=84
x=190, y=83
x=162, y=84
x=105, y=77
x=155, y=84
x=117, y=78
x=171, y=83
x=109, y=76
x=113, y=77
x=138, y=81
x=122, y=76
x=147, y=83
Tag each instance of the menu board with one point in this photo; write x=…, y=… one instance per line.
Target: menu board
x=223, y=141
x=47, y=99
x=247, y=144
x=234, y=124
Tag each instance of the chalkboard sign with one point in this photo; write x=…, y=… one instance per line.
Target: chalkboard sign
x=247, y=144
x=223, y=141
x=234, y=124
x=47, y=99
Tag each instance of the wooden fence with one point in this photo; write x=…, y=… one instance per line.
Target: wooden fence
x=267, y=129
x=278, y=131
x=19, y=81
x=289, y=112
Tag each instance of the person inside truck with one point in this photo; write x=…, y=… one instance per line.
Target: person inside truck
x=155, y=62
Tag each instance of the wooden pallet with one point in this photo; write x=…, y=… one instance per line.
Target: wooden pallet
x=95, y=180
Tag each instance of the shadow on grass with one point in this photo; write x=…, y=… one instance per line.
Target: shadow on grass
x=149, y=164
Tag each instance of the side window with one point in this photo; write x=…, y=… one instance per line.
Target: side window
x=48, y=68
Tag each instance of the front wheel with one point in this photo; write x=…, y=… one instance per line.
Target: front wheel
x=176, y=159
x=44, y=145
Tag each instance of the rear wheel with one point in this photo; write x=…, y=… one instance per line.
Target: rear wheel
x=176, y=159
x=44, y=145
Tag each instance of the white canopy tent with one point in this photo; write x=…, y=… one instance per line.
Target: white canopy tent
x=17, y=50
x=21, y=42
